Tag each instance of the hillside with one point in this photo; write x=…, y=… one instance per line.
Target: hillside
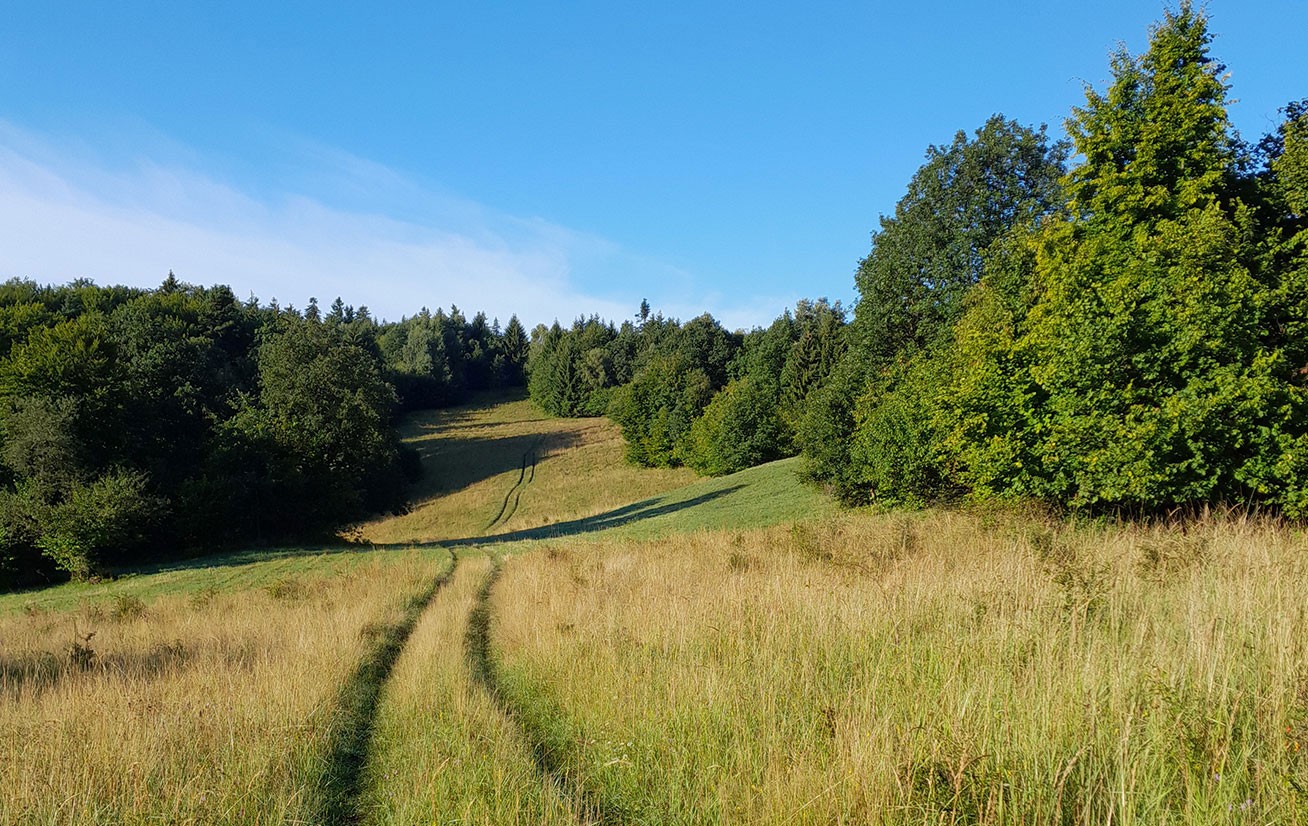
x=505, y=472
x=574, y=640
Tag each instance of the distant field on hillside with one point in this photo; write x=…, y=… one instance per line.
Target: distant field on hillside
x=507, y=467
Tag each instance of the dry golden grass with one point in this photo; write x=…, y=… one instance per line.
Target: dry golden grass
x=476, y=484
x=210, y=707
x=941, y=668
x=442, y=752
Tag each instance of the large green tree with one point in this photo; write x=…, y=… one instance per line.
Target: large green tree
x=1146, y=342
x=924, y=261
x=928, y=254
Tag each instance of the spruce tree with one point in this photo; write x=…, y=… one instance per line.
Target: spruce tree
x=515, y=345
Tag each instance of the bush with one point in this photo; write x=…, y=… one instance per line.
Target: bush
x=98, y=524
x=897, y=448
x=740, y=428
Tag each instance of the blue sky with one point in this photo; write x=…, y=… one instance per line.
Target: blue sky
x=548, y=159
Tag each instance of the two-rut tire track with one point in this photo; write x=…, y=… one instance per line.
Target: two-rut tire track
x=589, y=807
x=358, y=702
x=526, y=475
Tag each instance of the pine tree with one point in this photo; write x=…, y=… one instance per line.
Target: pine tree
x=337, y=312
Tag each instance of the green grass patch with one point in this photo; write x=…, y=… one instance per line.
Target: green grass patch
x=282, y=573
x=761, y=496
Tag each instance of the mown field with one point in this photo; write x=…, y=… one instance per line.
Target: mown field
x=551, y=636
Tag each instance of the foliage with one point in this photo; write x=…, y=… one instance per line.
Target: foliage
x=95, y=522
x=570, y=371
x=321, y=427
x=438, y=359
x=932, y=250
x=1146, y=343
x=754, y=418
x=741, y=427
x=655, y=380
x=1141, y=348
x=656, y=409
x=925, y=260
x=140, y=423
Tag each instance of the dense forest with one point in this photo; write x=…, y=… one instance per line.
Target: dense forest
x=693, y=393
x=1114, y=322
x=140, y=422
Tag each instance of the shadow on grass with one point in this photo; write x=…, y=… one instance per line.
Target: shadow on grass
x=456, y=462
x=351, y=727
x=626, y=515
x=431, y=420
x=231, y=559
x=514, y=496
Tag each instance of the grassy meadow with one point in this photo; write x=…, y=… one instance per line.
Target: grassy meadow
x=921, y=669
x=443, y=752
x=505, y=468
x=593, y=643
x=229, y=701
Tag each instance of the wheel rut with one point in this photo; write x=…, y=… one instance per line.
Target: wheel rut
x=526, y=475
x=589, y=807
x=357, y=704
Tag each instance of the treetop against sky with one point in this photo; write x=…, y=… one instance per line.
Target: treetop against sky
x=546, y=159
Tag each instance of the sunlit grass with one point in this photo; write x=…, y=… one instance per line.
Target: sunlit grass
x=475, y=459
x=203, y=577
x=442, y=752
x=729, y=651
x=936, y=668
x=212, y=706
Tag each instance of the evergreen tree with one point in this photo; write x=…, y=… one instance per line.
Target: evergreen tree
x=337, y=313
x=515, y=345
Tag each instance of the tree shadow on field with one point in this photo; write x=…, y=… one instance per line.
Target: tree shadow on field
x=626, y=515
x=453, y=463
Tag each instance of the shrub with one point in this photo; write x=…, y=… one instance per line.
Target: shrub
x=97, y=524
x=740, y=428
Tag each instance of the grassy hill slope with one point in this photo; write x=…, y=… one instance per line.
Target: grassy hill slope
x=495, y=468
x=477, y=490
x=501, y=473
x=576, y=640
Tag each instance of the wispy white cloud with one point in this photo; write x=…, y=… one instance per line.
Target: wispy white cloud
x=378, y=238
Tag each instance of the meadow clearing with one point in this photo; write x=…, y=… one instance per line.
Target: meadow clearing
x=585, y=642
x=920, y=669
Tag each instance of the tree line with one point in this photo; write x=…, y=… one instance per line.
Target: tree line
x=1111, y=322
x=690, y=393
x=142, y=423
x=1118, y=321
